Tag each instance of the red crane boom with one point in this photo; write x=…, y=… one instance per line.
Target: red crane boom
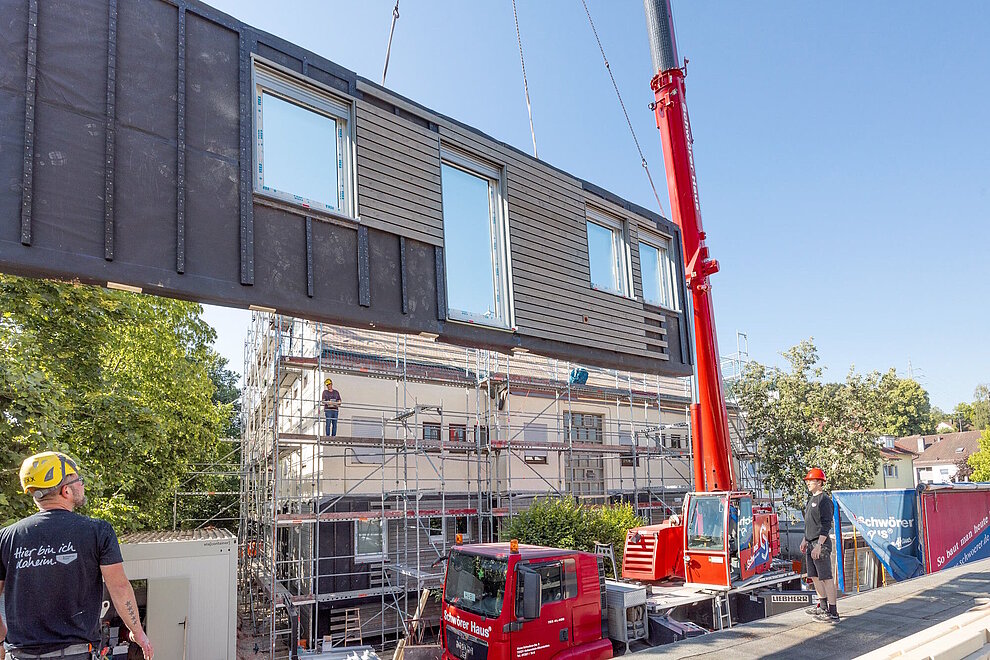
x=713, y=466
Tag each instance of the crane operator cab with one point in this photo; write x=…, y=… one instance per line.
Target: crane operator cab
x=727, y=540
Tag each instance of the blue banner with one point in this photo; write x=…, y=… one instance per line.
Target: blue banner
x=888, y=522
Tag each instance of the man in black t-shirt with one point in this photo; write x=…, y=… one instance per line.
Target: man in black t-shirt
x=52, y=568
x=817, y=546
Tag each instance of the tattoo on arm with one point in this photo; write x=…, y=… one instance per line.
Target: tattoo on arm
x=132, y=613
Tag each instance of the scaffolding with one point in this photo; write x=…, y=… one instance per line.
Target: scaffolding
x=341, y=534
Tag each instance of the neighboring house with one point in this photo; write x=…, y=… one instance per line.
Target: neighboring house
x=897, y=468
x=938, y=462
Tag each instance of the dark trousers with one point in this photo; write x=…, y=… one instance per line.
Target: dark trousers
x=331, y=416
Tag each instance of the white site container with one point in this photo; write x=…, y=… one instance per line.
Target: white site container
x=192, y=591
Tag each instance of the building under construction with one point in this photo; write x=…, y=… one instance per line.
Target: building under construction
x=341, y=534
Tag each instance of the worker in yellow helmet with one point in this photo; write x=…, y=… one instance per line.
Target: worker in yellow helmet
x=331, y=407
x=52, y=568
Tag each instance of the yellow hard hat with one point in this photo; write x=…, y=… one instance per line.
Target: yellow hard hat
x=46, y=470
x=327, y=381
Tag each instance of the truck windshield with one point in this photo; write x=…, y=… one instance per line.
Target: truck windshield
x=706, y=524
x=476, y=583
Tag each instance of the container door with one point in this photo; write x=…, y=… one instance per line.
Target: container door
x=168, y=617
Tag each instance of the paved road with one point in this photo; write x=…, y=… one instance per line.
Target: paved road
x=869, y=621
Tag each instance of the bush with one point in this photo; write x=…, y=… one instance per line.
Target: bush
x=564, y=523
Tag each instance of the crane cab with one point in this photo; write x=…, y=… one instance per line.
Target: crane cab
x=727, y=539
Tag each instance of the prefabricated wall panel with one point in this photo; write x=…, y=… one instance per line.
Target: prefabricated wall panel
x=127, y=156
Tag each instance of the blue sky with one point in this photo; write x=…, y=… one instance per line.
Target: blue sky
x=842, y=150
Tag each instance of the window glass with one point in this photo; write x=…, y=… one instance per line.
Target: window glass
x=745, y=523
x=552, y=579
x=431, y=431
x=299, y=152
x=536, y=434
x=471, y=246
x=436, y=527
x=458, y=433
x=658, y=272
x=649, y=266
x=369, y=538
x=602, y=255
x=584, y=427
x=705, y=524
x=476, y=584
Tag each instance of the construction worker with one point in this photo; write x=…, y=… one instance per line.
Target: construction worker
x=817, y=546
x=331, y=407
x=52, y=568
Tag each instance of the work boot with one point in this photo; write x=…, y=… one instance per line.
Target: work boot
x=825, y=616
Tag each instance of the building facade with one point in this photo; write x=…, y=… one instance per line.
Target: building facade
x=432, y=441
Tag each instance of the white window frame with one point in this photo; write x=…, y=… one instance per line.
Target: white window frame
x=466, y=535
x=372, y=556
x=499, y=217
x=437, y=536
x=668, y=271
x=272, y=79
x=621, y=261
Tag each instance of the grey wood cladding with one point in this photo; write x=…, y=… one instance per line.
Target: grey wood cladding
x=547, y=225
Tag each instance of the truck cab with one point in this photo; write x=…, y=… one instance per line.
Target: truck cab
x=506, y=600
x=727, y=539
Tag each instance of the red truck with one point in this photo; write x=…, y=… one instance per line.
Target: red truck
x=505, y=600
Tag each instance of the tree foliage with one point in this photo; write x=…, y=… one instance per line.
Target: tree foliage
x=803, y=421
x=974, y=416
x=119, y=381
x=979, y=461
x=564, y=523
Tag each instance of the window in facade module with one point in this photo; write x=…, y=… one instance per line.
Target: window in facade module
x=475, y=241
x=462, y=526
x=431, y=432
x=437, y=528
x=458, y=433
x=607, y=253
x=626, y=440
x=369, y=540
x=659, y=272
x=302, y=143
x=535, y=434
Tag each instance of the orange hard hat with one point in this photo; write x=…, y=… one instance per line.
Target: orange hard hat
x=815, y=473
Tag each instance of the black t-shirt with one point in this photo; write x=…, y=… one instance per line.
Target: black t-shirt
x=817, y=517
x=50, y=564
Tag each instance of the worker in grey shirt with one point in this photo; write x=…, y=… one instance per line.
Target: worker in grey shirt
x=52, y=568
x=817, y=546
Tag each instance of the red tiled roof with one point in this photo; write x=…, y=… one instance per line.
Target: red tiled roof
x=950, y=447
x=896, y=452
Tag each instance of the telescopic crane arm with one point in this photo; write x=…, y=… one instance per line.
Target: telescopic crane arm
x=709, y=420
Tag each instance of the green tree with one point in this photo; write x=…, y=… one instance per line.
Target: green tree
x=906, y=408
x=803, y=422
x=975, y=415
x=564, y=523
x=980, y=460
x=119, y=381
